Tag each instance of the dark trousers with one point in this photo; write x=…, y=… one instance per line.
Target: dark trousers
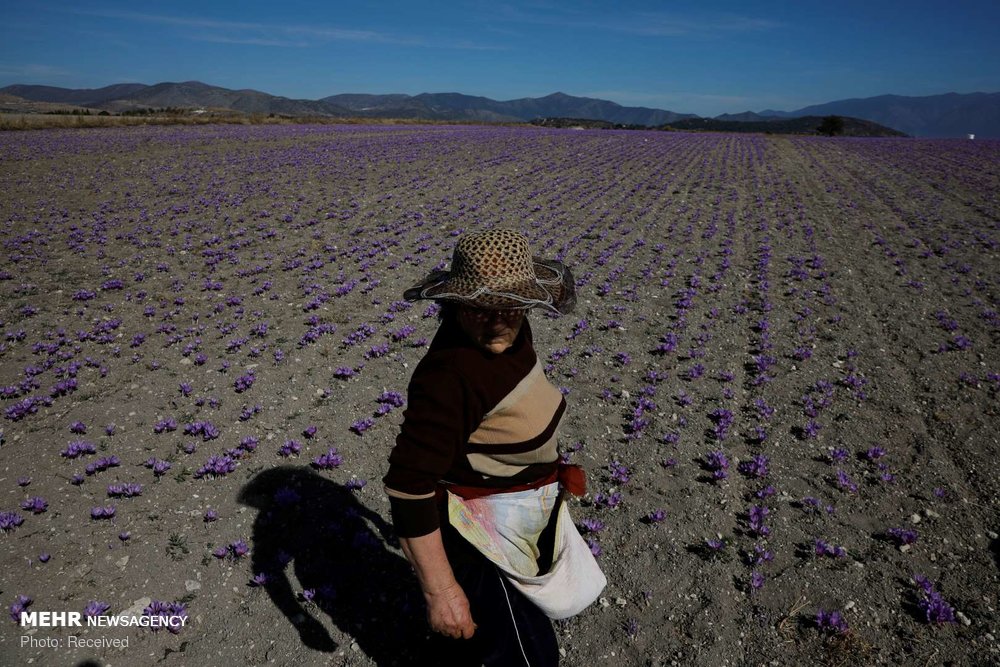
x=511, y=632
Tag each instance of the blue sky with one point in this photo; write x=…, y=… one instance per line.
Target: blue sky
x=702, y=57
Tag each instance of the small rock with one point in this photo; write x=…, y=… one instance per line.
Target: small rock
x=137, y=607
x=914, y=518
x=621, y=602
x=904, y=548
x=990, y=534
x=963, y=618
x=122, y=562
x=191, y=585
x=931, y=514
x=849, y=605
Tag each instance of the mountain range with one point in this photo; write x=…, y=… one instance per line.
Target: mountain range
x=948, y=115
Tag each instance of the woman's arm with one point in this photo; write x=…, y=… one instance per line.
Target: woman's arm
x=447, y=606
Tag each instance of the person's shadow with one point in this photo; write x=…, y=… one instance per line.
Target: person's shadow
x=318, y=528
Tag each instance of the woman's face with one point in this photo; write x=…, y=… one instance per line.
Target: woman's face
x=492, y=330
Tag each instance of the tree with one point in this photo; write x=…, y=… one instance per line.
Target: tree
x=831, y=126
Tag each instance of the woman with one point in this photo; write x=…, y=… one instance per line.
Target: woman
x=481, y=421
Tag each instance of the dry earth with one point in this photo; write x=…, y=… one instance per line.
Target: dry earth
x=803, y=300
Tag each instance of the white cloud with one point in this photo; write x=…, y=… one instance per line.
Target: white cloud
x=653, y=24
x=281, y=35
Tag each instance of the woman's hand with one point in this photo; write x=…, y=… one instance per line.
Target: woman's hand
x=447, y=606
x=448, y=612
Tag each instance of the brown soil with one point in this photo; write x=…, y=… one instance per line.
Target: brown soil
x=866, y=269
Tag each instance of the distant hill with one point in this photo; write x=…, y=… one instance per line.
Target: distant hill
x=427, y=106
x=950, y=115
x=189, y=94
x=455, y=106
x=746, y=117
x=84, y=97
x=13, y=104
x=853, y=127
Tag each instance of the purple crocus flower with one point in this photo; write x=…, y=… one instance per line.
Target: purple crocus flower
x=290, y=448
x=902, y=536
x=103, y=512
x=172, y=612
x=715, y=544
x=756, y=516
x=838, y=455
x=656, y=516
x=78, y=448
x=393, y=398
x=35, y=505
x=362, y=425
x=755, y=467
x=332, y=459
x=718, y=463
x=96, y=608
x=845, y=483
x=595, y=548
x=811, y=428
x=127, y=490
x=830, y=550
x=874, y=453
x=21, y=603
x=619, y=472
x=610, y=501
x=239, y=548
x=936, y=609
x=217, y=466
x=244, y=382
x=163, y=425
x=831, y=622
x=102, y=464
x=158, y=467
x=9, y=521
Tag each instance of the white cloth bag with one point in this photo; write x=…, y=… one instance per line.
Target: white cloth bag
x=505, y=527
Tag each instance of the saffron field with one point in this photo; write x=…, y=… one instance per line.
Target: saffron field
x=782, y=380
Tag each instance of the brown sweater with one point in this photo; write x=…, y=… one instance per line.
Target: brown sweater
x=473, y=418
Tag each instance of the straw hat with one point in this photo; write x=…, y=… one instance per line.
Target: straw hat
x=494, y=269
